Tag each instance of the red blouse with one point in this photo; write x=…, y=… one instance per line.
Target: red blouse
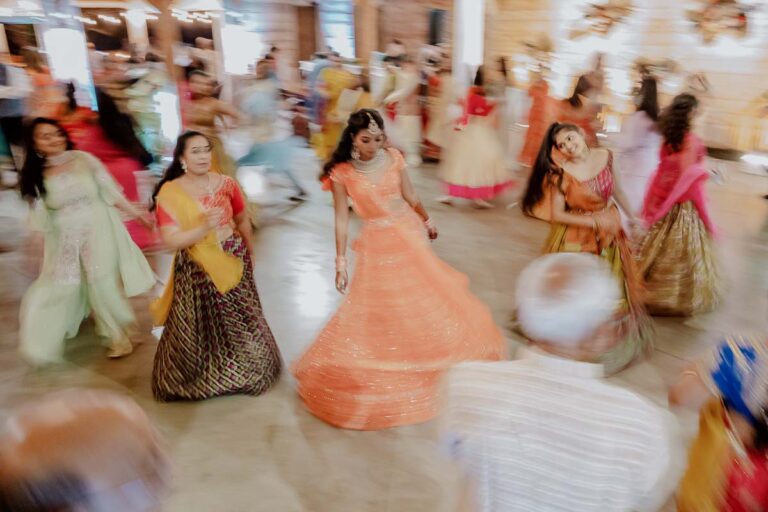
x=228, y=197
x=477, y=104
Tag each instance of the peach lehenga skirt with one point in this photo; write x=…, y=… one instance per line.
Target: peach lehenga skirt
x=407, y=317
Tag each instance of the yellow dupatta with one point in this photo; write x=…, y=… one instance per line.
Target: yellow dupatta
x=702, y=488
x=224, y=270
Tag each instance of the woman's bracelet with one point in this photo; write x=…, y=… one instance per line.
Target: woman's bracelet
x=429, y=223
x=341, y=264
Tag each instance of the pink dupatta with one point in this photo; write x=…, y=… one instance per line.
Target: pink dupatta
x=679, y=178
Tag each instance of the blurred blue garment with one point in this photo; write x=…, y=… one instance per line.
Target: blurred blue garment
x=316, y=100
x=738, y=372
x=260, y=100
x=5, y=150
x=260, y=103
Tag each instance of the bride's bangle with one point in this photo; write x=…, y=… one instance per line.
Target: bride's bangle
x=429, y=223
x=341, y=264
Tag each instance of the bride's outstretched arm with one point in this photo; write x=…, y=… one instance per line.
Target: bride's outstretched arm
x=341, y=216
x=412, y=198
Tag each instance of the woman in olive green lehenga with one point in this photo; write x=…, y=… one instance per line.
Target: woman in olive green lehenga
x=585, y=218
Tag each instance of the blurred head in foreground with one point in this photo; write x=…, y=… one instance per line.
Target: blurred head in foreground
x=566, y=302
x=84, y=451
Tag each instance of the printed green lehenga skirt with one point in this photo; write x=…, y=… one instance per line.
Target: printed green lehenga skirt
x=677, y=261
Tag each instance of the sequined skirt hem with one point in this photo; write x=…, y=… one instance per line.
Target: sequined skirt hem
x=678, y=264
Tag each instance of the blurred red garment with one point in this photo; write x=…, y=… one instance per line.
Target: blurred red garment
x=86, y=133
x=540, y=116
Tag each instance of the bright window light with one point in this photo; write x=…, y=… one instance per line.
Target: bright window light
x=67, y=55
x=167, y=105
x=755, y=159
x=241, y=49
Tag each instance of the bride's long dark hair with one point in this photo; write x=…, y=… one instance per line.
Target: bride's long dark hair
x=544, y=166
x=357, y=122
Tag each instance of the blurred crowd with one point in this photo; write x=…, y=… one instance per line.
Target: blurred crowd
x=630, y=238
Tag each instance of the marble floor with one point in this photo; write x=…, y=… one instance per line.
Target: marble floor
x=245, y=454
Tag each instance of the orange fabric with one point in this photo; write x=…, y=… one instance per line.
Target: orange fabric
x=540, y=116
x=581, y=198
x=407, y=317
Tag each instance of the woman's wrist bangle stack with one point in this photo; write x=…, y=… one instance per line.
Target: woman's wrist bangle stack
x=341, y=264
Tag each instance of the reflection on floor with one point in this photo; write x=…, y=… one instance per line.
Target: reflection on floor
x=243, y=454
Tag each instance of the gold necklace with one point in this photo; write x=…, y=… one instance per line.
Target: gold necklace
x=207, y=190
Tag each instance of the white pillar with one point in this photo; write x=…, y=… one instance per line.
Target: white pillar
x=218, y=44
x=469, y=39
x=136, y=25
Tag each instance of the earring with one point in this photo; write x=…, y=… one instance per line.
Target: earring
x=355, y=153
x=184, y=166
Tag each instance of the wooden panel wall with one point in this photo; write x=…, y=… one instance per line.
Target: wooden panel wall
x=408, y=21
x=278, y=26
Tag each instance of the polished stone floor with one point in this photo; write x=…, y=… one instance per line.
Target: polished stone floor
x=244, y=454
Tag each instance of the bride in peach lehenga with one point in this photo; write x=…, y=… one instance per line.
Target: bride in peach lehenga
x=407, y=317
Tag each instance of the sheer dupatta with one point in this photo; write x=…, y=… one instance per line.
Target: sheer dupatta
x=679, y=178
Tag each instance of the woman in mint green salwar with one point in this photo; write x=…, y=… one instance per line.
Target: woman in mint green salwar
x=90, y=263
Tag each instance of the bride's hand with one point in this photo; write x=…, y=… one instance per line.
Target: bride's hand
x=431, y=229
x=341, y=281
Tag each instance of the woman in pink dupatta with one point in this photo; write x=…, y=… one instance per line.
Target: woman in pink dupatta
x=676, y=256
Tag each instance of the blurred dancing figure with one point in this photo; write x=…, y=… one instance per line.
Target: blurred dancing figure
x=523, y=429
x=15, y=87
x=260, y=102
x=408, y=110
x=109, y=136
x=499, y=87
x=143, y=98
x=441, y=97
x=728, y=461
x=540, y=116
x=407, y=317
x=475, y=166
x=216, y=340
x=676, y=257
x=46, y=97
x=637, y=152
x=90, y=262
x=332, y=81
x=583, y=199
x=581, y=109
x=200, y=113
x=82, y=450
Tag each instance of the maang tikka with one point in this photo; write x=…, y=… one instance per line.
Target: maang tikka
x=373, y=126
